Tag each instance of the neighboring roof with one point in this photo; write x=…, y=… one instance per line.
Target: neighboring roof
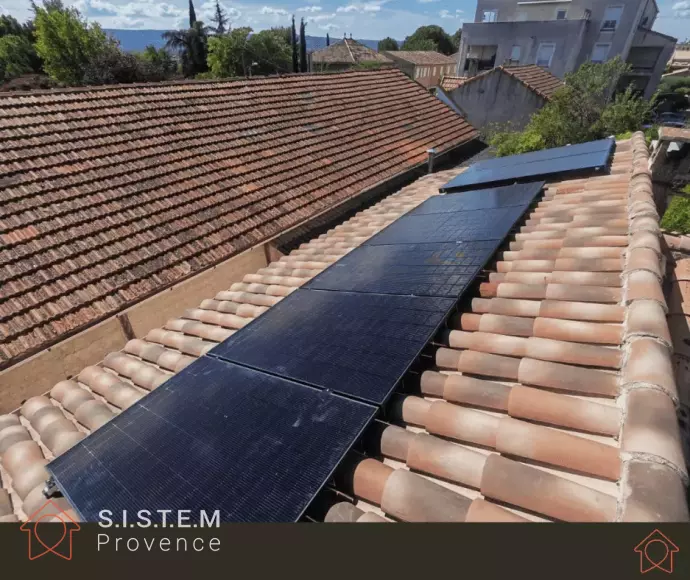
x=532, y=76
x=421, y=57
x=674, y=134
x=681, y=72
x=111, y=194
x=680, y=55
x=449, y=82
x=348, y=51
x=552, y=396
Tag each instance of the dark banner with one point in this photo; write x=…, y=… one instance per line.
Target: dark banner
x=550, y=551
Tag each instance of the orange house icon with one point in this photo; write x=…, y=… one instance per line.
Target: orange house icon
x=656, y=553
x=53, y=543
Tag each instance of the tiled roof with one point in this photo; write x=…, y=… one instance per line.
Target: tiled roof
x=450, y=83
x=422, y=57
x=532, y=76
x=552, y=395
x=540, y=80
x=110, y=194
x=348, y=51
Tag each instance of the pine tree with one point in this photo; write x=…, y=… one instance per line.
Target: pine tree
x=328, y=40
x=295, y=65
x=303, y=67
x=192, y=14
x=220, y=19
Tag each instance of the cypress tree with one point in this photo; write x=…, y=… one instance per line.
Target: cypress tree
x=192, y=14
x=303, y=67
x=295, y=66
x=328, y=40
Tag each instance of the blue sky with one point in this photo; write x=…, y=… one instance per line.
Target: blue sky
x=373, y=19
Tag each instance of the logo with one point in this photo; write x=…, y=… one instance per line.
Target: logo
x=50, y=539
x=656, y=553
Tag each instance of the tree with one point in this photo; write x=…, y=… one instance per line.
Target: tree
x=456, y=39
x=15, y=56
x=156, y=64
x=328, y=40
x=226, y=53
x=10, y=26
x=303, y=66
x=584, y=109
x=192, y=14
x=388, y=43
x=295, y=66
x=268, y=53
x=430, y=37
x=191, y=45
x=241, y=53
x=111, y=66
x=220, y=19
x=66, y=43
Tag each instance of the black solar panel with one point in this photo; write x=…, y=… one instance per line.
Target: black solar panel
x=418, y=269
x=477, y=225
x=538, y=164
x=216, y=436
x=355, y=344
x=519, y=194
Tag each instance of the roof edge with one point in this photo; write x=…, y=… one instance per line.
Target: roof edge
x=655, y=476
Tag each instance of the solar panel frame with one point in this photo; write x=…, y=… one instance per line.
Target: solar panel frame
x=355, y=344
x=215, y=436
x=463, y=226
x=518, y=194
x=574, y=159
x=444, y=269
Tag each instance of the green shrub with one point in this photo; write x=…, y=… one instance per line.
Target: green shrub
x=677, y=216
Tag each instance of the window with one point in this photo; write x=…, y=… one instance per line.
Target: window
x=561, y=14
x=490, y=16
x=433, y=72
x=416, y=73
x=545, y=54
x=601, y=52
x=515, y=53
x=612, y=16
x=521, y=16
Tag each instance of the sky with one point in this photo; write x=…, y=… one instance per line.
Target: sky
x=371, y=19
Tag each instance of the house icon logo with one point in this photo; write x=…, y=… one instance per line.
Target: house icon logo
x=50, y=530
x=656, y=553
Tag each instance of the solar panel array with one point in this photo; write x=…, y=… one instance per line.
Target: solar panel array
x=565, y=161
x=255, y=427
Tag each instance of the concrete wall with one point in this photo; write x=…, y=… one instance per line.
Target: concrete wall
x=38, y=374
x=538, y=21
x=654, y=41
x=496, y=97
x=566, y=34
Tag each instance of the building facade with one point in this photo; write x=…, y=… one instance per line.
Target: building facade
x=425, y=66
x=562, y=34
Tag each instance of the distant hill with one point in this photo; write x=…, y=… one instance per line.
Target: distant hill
x=136, y=40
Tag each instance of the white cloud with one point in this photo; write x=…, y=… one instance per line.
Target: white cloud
x=681, y=9
x=361, y=7
x=449, y=14
x=320, y=17
x=426, y=1
x=278, y=11
x=328, y=26
x=309, y=9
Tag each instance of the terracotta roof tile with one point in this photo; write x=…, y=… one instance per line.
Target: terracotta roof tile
x=348, y=51
x=422, y=57
x=534, y=77
x=111, y=194
x=541, y=407
x=450, y=82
